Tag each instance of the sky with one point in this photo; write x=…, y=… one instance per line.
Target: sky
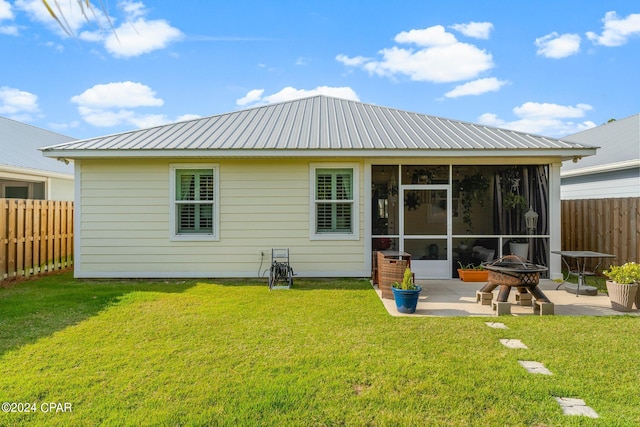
x=550, y=68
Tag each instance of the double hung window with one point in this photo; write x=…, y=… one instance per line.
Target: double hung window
x=195, y=202
x=334, y=211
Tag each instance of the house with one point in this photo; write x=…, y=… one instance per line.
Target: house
x=614, y=172
x=24, y=172
x=332, y=180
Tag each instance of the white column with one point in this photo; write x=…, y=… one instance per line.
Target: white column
x=555, y=221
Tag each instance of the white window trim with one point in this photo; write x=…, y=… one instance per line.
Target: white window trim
x=355, y=234
x=172, y=205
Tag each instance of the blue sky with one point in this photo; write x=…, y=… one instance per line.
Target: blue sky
x=545, y=67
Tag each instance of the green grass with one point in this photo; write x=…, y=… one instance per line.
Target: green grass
x=199, y=353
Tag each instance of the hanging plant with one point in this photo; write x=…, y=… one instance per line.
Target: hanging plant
x=515, y=201
x=472, y=188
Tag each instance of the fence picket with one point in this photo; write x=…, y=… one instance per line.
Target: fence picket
x=603, y=225
x=35, y=236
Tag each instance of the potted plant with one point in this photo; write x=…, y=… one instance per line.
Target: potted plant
x=519, y=247
x=472, y=273
x=406, y=293
x=623, y=285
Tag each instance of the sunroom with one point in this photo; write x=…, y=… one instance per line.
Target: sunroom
x=445, y=216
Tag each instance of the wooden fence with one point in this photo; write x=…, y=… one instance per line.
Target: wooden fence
x=36, y=236
x=603, y=225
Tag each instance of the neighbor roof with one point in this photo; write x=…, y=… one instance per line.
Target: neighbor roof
x=318, y=125
x=620, y=147
x=19, y=143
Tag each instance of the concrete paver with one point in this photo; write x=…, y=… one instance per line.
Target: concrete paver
x=534, y=367
x=513, y=343
x=572, y=406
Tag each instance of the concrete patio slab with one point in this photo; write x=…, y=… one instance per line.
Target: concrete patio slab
x=457, y=298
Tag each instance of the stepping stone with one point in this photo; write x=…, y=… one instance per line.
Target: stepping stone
x=572, y=406
x=513, y=343
x=534, y=367
x=496, y=325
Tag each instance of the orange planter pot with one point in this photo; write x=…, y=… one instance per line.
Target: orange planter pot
x=473, y=275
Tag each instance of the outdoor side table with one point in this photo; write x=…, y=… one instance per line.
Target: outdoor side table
x=579, y=260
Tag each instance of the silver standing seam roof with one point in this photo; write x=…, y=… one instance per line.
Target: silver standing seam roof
x=319, y=126
x=19, y=144
x=620, y=142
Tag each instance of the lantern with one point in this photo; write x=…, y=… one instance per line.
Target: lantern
x=531, y=220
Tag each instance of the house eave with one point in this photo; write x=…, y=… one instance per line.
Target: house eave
x=610, y=167
x=563, y=154
x=16, y=170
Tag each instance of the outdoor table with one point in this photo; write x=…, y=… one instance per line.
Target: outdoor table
x=579, y=259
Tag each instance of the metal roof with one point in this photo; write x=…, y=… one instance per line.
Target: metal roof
x=19, y=143
x=318, y=125
x=620, y=146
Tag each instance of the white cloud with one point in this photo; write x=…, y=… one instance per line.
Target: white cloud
x=478, y=30
x=432, y=36
x=119, y=94
x=135, y=36
x=616, y=31
x=290, y=93
x=440, y=58
x=302, y=61
x=536, y=110
x=9, y=30
x=251, y=97
x=557, y=46
x=5, y=10
x=476, y=87
x=185, y=117
x=15, y=101
x=140, y=37
x=72, y=12
x=116, y=104
x=543, y=119
x=7, y=14
x=356, y=61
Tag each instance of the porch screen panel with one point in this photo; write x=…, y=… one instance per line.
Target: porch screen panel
x=334, y=200
x=194, y=201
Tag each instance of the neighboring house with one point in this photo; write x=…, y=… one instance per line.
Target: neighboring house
x=614, y=172
x=24, y=172
x=330, y=179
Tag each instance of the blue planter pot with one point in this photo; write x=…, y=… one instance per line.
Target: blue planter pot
x=406, y=300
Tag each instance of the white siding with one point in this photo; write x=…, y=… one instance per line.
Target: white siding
x=617, y=184
x=60, y=189
x=125, y=230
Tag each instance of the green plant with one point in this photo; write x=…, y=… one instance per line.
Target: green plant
x=515, y=201
x=472, y=188
x=470, y=266
x=407, y=281
x=625, y=274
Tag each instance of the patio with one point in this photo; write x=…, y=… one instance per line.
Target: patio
x=458, y=298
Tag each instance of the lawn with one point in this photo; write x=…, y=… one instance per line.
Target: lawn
x=207, y=352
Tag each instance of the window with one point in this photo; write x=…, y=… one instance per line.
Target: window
x=195, y=202
x=334, y=211
x=22, y=190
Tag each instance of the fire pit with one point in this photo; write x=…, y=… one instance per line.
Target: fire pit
x=514, y=272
